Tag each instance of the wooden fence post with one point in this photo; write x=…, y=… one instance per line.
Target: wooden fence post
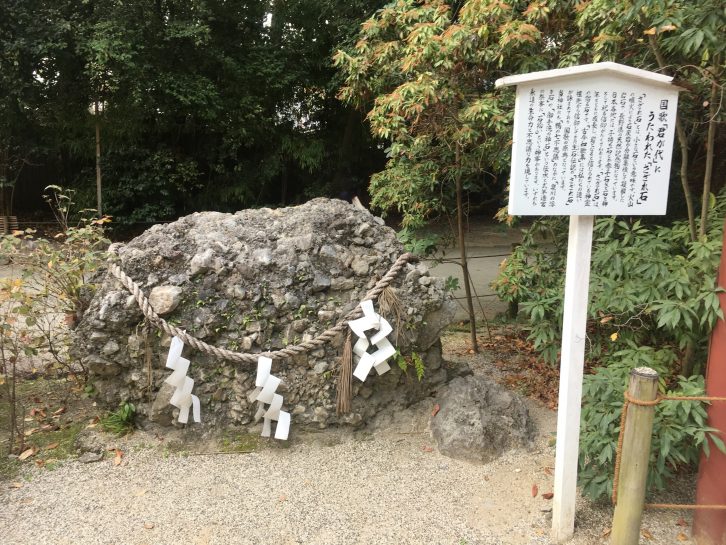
x=634, y=458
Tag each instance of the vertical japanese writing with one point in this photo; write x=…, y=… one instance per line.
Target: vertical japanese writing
x=618, y=113
x=538, y=188
x=589, y=143
x=567, y=98
x=548, y=187
x=528, y=144
x=592, y=148
x=636, y=153
x=627, y=145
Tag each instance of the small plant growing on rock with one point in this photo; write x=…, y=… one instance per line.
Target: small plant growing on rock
x=414, y=360
x=121, y=421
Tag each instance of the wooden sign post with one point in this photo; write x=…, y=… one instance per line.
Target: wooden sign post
x=589, y=140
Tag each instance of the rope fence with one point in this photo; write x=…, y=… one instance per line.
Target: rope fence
x=242, y=357
x=629, y=400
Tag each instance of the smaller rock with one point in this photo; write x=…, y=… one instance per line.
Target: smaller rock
x=161, y=411
x=90, y=457
x=360, y=266
x=111, y=347
x=320, y=367
x=202, y=262
x=165, y=299
x=479, y=420
x=88, y=441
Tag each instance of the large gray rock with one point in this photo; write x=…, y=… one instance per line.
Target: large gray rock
x=254, y=281
x=479, y=420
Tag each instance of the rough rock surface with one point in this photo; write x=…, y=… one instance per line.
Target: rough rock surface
x=254, y=281
x=479, y=420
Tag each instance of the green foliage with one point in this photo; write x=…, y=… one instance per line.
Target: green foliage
x=424, y=72
x=55, y=281
x=424, y=244
x=679, y=429
x=202, y=104
x=121, y=421
x=649, y=285
x=653, y=299
x=413, y=360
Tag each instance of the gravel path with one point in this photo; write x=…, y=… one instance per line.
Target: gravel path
x=331, y=488
x=384, y=486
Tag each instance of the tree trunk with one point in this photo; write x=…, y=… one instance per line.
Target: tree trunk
x=712, y=113
x=682, y=142
x=462, y=249
x=98, y=160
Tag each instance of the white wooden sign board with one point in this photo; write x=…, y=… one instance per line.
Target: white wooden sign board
x=588, y=140
x=592, y=143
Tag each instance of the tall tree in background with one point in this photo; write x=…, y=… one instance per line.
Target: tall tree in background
x=425, y=73
x=206, y=103
x=683, y=39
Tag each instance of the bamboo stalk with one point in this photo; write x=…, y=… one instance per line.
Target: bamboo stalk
x=634, y=457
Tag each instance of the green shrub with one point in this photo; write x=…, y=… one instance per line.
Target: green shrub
x=653, y=302
x=649, y=285
x=679, y=427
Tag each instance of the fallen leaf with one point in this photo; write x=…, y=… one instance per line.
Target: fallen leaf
x=59, y=411
x=650, y=31
x=682, y=522
x=117, y=458
x=149, y=525
x=606, y=532
x=428, y=449
x=436, y=410
x=646, y=534
x=535, y=490
x=16, y=485
x=40, y=463
x=666, y=28
x=606, y=319
x=52, y=446
x=682, y=537
x=26, y=454
x=548, y=495
x=31, y=431
x=37, y=412
x=614, y=336
x=548, y=470
x=140, y=493
x=282, y=497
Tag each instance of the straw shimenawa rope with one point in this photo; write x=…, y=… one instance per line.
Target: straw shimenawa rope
x=240, y=357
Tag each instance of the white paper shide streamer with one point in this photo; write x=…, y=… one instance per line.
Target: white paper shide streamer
x=365, y=360
x=182, y=397
x=264, y=394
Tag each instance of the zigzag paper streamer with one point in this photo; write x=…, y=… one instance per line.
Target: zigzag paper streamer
x=367, y=360
x=182, y=397
x=264, y=394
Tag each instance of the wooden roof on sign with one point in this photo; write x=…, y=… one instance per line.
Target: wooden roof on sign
x=584, y=70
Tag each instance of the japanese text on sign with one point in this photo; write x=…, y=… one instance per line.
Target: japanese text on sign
x=592, y=148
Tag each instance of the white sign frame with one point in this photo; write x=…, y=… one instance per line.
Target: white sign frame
x=601, y=76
